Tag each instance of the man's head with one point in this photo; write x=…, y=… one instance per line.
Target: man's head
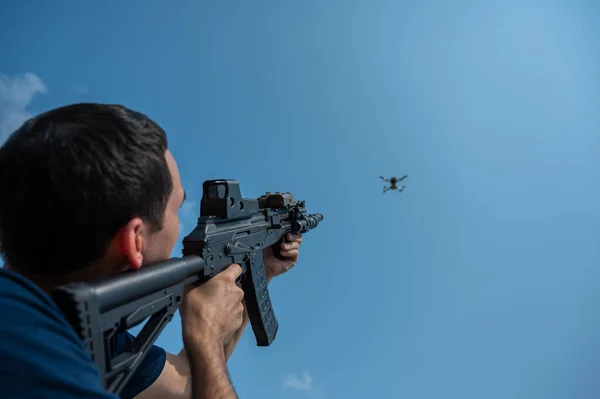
x=87, y=190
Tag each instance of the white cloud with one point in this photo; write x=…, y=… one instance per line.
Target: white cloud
x=16, y=94
x=303, y=383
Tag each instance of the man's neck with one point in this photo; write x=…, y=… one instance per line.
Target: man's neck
x=47, y=284
x=44, y=283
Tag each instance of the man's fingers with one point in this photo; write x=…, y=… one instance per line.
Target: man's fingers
x=234, y=271
x=287, y=246
x=294, y=237
x=290, y=254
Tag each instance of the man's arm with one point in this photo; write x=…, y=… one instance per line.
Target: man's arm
x=175, y=380
x=230, y=346
x=209, y=373
x=200, y=371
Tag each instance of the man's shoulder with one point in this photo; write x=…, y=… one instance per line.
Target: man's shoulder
x=32, y=324
x=47, y=359
x=43, y=346
x=17, y=291
x=23, y=304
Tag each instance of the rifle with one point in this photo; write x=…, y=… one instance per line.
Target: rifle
x=230, y=229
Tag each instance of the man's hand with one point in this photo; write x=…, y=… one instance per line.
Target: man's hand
x=210, y=315
x=212, y=312
x=180, y=370
x=289, y=250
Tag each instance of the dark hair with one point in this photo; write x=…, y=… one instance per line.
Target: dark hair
x=71, y=177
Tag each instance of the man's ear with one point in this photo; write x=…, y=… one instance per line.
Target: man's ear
x=131, y=242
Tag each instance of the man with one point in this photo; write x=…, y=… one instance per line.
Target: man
x=87, y=191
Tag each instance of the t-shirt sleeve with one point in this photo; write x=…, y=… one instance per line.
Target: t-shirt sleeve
x=41, y=358
x=150, y=369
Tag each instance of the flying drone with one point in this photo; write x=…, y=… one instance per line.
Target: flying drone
x=393, y=183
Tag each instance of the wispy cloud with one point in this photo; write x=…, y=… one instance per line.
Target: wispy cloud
x=300, y=383
x=80, y=89
x=16, y=94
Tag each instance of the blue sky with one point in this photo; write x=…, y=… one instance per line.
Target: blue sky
x=481, y=280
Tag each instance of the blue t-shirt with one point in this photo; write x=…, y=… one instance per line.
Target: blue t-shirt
x=41, y=356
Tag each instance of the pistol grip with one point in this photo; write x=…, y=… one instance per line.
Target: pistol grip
x=258, y=302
